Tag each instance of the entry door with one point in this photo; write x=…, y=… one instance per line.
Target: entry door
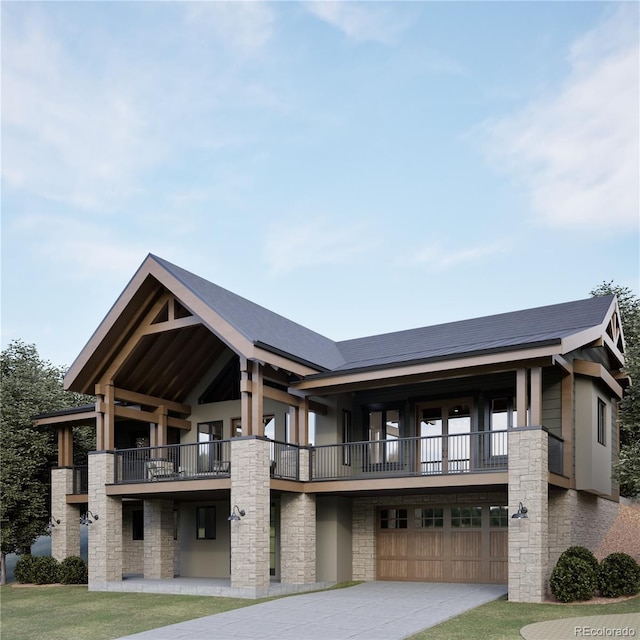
x=438, y=453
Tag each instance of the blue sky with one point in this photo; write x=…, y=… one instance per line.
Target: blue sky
x=358, y=167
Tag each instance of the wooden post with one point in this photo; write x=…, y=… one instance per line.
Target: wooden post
x=521, y=397
x=245, y=397
x=257, y=401
x=536, y=396
x=109, y=418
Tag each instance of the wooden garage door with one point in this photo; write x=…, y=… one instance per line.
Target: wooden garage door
x=443, y=544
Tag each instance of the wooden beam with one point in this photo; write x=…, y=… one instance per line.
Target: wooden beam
x=536, y=395
x=257, y=400
x=153, y=401
x=86, y=418
x=171, y=325
x=596, y=370
x=521, y=397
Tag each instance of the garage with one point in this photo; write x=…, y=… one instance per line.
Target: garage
x=443, y=543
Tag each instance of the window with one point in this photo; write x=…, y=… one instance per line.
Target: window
x=500, y=415
x=499, y=517
x=393, y=518
x=466, y=517
x=205, y=523
x=137, y=524
x=429, y=518
x=384, y=431
x=602, y=422
x=209, y=453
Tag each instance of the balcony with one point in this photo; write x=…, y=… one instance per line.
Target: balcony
x=405, y=457
x=446, y=455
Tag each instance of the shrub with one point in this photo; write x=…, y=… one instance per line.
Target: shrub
x=23, y=571
x=73, y=570
x=583, y=553
x=45, y=570
x=618, y=575
x=573, y=579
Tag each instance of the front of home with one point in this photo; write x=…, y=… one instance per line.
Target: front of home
x=233, y=443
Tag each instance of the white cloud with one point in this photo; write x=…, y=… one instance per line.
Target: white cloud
x=240, y=26
x=294, y=244
x=378, y=22
x=577, y=153
x=437, y=257
x=68, y=136
x=83, y=250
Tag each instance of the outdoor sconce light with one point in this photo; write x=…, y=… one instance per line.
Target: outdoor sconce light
x=52, y=522
x=521, y=512
x=236, y=514
x=86, y=518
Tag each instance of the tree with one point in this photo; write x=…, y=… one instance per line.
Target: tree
x=628, y=467
x=30, y=386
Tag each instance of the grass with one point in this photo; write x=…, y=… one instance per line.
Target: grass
x=74, y=613
x=502, y=620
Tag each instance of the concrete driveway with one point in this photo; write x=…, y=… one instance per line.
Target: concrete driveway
x=369, y=611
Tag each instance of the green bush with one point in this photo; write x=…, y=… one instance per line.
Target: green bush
x=23, y=571
x=618, y=575
x=573, y=579
x=45, y=570
x=583, y=553
x=73, y=570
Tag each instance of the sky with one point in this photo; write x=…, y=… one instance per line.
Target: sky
x=358, y=167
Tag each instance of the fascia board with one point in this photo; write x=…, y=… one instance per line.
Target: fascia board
x=374, y=375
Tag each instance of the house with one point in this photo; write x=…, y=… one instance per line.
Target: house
x=233, y=443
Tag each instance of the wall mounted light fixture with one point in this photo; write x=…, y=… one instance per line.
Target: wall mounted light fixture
x=521, y=512
x=88, y=517
x=236, y=514
x=52, y=522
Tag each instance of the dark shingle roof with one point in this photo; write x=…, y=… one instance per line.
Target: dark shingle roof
x=259, y=325
x=501, y=332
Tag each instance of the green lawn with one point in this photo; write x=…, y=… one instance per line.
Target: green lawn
x=502, y=620
x=74, y=613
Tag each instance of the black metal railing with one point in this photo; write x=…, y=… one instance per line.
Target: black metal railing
x=556, y=453
x=173, y=462
x=80, y=479
x=285, y=460
x=432, y=455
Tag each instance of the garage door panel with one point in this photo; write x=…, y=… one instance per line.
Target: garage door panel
x=466, y=570
x=428, y=544
x=432, y=548
x=393, y=544
x=466, y=544
x=498, y=544
x=393, y=569
x=429, y=570
x=499, y=571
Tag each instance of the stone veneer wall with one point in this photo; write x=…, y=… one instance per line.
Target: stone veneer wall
x=132, y=550
x=250, y=490
x=158, y=539
x=577, y=518
x=528, y=538
x=65, y=537
x=105, y=534
x=297, y=538
x=364, y=521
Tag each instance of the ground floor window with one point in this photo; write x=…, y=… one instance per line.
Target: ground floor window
x=205, y=523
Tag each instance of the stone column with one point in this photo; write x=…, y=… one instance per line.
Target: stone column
x=158, y=539
x=298, y=538
x=105, y=534
x=250, y=490
x=528, y=537
x=363, y=539
x=65, y=537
